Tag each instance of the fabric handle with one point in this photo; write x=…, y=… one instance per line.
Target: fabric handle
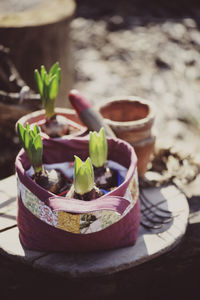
x=113, y=203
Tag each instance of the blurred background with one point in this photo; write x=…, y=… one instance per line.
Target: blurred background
x=149, y=49
x=106, y=48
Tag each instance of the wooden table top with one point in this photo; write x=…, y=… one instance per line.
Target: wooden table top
x=150, y=243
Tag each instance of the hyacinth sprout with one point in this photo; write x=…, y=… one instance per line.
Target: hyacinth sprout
x=32, y=143
x=98, y=148
x=105, y=178
x=51, y=180
x=48, y=86
x=83, y=176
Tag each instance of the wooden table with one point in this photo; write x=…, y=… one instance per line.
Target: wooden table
x=150, y=243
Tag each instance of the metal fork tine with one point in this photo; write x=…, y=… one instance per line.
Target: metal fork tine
x=150, y=226
x=154, y=205
x=156, y=219
x=151, y=218
x=151, y=211
x=165, y=219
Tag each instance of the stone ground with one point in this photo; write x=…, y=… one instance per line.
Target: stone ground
x=149, y=49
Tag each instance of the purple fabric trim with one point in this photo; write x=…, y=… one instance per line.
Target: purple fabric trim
x=38, y=235
x=114, y=203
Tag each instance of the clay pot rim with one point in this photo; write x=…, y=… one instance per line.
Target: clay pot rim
x=60, y=111
x=148, y=119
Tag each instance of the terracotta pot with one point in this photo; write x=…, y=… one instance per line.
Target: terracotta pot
x=131, y=118
x=75, y=123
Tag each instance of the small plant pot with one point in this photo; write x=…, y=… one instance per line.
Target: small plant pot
x=75, y=125
x=132, y=118
x=50, y=222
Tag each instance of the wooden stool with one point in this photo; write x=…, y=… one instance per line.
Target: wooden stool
x=150, y=243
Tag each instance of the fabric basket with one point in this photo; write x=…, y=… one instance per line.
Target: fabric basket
x=48, y=222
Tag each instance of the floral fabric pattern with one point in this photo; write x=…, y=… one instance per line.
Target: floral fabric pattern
x=47, y=215
x=109, y=218
x=90, y=222
x=37, y=207
x=134, y=189
x=31, y=202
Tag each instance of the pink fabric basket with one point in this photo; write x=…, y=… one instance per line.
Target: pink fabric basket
x=52, y=223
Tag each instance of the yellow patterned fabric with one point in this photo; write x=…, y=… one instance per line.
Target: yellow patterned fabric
x=69, y=222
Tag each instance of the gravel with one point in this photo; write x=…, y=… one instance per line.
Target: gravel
x=152, y=53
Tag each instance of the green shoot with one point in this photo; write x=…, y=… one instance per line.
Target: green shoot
x=83, y=176
x=31, y=141
x=98, y=148
x=48, y=87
